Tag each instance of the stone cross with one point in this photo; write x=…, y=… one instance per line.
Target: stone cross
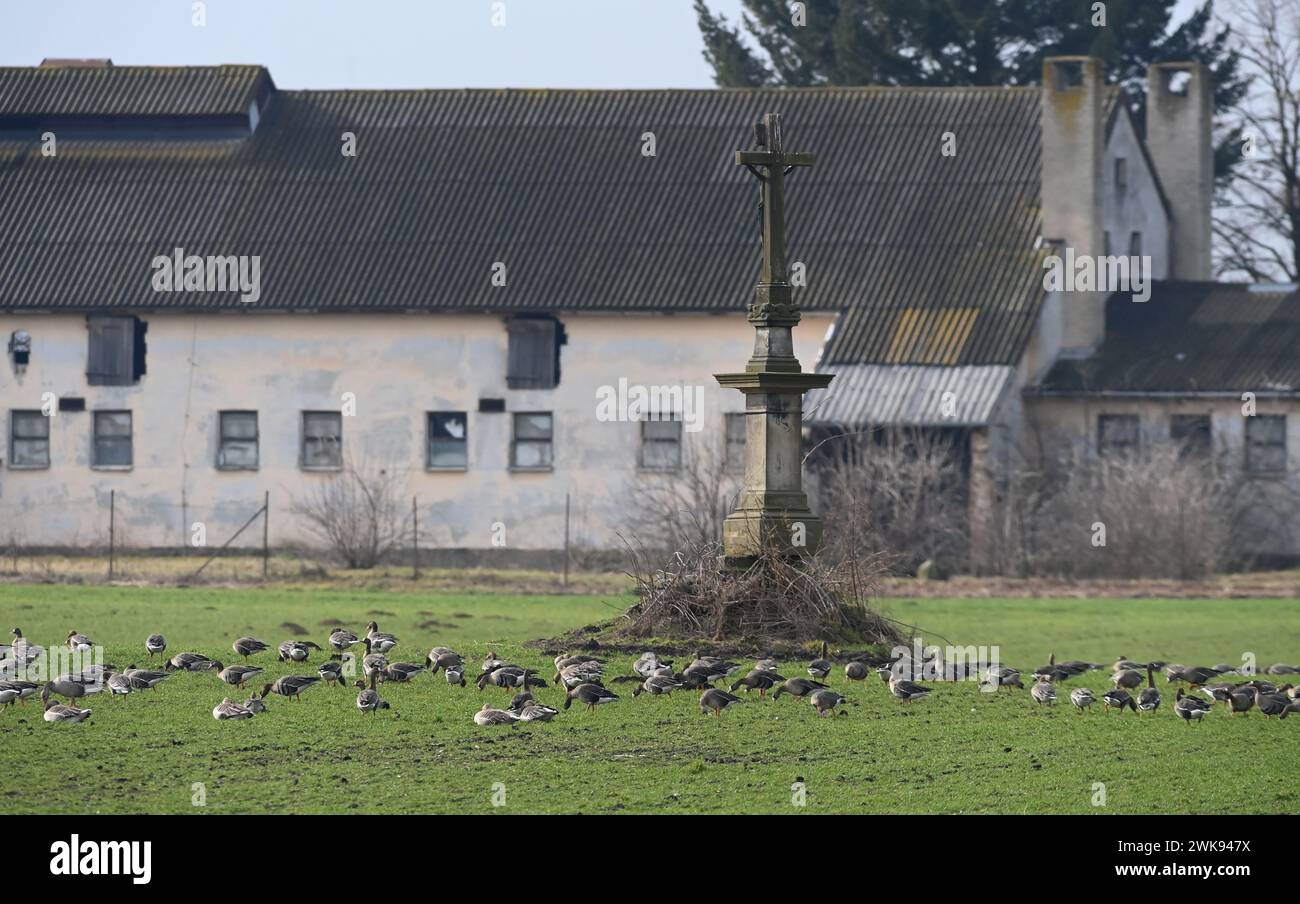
x=773, y=512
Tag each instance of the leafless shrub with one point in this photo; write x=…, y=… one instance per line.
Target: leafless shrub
x=672, y=510
x=358, y=512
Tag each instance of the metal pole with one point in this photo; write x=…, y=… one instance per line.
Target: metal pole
x=112, y=526
x=566, y=539
x=266, y=534
x=415, y=539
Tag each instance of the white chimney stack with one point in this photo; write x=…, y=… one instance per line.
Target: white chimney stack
x=1180, y=105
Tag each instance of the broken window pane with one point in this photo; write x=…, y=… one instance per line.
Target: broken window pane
x=29, y=440
x=532, y=441
x=322, y=439
x=112, y=440
x=448, y=432
x=239, y=441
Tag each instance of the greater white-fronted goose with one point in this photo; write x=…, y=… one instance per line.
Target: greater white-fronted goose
x=797, y=687
x=401, y=672
x=155, y=643
x=248, y=646
x=228, y=710
x=118, y=684
x=296, y=650
x=1149, y=700
x=490, y=715
x=239, y=675
x=826, y=700
x=255, y=703
x=656, y=685
x=23, y=689
x=379, y=641
x=820, y=667
x=58, y=712
x=1189, y=709
x=590, y=695
x=368, y=700
x=1281, y=668
x=455, y=675
x=648, y=663
x=1218, y=693
x=758, y=680
x=1270, y=704
x=714, y=664
x=1051, y=671
x=857, y=670
x=192, y=662
x=536, y=712
x=907, y=691
x=65, y=686
x=341, y=639
x=509, y=676
x=290, y=685
x=1082, y=698
x=998, y=677
x=444, y=658
x=1127, y=679
x=23, y=651
x=331, y=671
x=372, y=663
x=145, y=679
x=1241, y=700
x=1043, y=691
x=580, y=673
x=715, y=701
x=1118, y=699
x=79, y=643
x=9, y=695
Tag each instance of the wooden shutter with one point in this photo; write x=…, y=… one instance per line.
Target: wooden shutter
x=531, y=362
x=111, y=354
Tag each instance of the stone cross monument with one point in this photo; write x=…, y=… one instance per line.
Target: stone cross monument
x=773, y=508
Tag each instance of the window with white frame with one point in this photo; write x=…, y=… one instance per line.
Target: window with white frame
x=531, y=448
x=448, y=441
x=322, y=440
x=29, y=440
x=237, y=449
x=113, y=439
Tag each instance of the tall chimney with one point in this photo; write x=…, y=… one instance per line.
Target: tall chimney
x=1073, y=120
x=1179, y=118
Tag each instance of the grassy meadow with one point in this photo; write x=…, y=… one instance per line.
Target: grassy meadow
x=960, y=751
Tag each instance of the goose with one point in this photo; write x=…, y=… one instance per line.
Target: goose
x=9, y=695
x=455, y=676
x=1043, y=692
x=490, y=715
x=65, y=686
x=656, y=685
x=592, y=695
x=1082, y=698
x=1127, y=679
x=23, y=689
x=1149, y=700
x=998, y=677
x=825, y=701
x=118, y=684
x=296, y=650
x=1194, y=676
x=1051, y=671
x=715, y=701
x=444, y=658
x=513, y=676
x=1123, y=663
x=290, y=685
x=491, y=662
x=22, y=651
x=402, y=671
x=907, y=691
x=1118, y=699
x=1190, y=709
x=1292, y=707
x=239, y=675
x=372, y=663
x=648, y=663
x=368, y=701
x=331, y=672
x=192, y=662
x=579, y=673
x=79, y=643
x=57, y=712
x=857, y=670
x=1218, y=693
x=797, y=687
x=820, y=667
x=229, y=710
x=537, y=712
x=702, y=672
x=1241, y=701
x=714, y=664
x=247, y=646
x=155, y=643
x=380, y=642
x=255, y=704
x=757, y=680
x=1267, y=687
x=144, y=679
x=1270, y=704
x=1281, y=668
x=340, y=639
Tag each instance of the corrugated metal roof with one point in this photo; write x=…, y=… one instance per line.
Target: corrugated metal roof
x=866, y=395
x=554, y=185
x=1189, y=338
x=128, y=91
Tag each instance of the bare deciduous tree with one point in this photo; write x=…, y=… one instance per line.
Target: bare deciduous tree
x=672, y=510
x=358, y=512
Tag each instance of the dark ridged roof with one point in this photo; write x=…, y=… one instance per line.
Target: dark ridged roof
x=1189, y=338
x=930, y=256
x=128, y=91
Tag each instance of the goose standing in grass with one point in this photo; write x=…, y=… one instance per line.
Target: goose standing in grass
x=145, y=679
x=331, y=671
x=118, y=684
x=239, y=675
x=1043, y=692
x=1051, y=671
x=490, y=715
x=820, y=667
x=509, y=675
x=65, y=686
x=22, y=651
x=255, y=704
x=368, y=700
x=155, y=643
x=998, y=677
x=444, y=658
x=758, y=680
x=1149, y=700
x=341, y=639
x=402, y=671
x=58, y=712
x=530, y=710
x=1241, y=701
x=797, y=687
x=227, y=710
x=587, y=672
x=714, y=665
x=1082, y=698
x=590, y=695
x=657, y=685
x=907, y=691
x=379, y=641
x=825, y=701
x=192, y=662
x=9, y=696
x=857, y=670
x=715, y=701
x=23, y=689
x=1270, y=704
x=455, y=676
x=373, y=663
x=1190, y=709
x=1118, y=699
x=247, y=646
x=290, y=685
x=296, y=650
x=79, y=643
x=1218, y=693
x=1127, y=679
x=648, y=663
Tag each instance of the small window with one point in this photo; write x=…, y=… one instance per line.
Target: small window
x=117, y=351
x=661, y=443
x=448, y=436
x=735, y=450
x=1121, y=173
x=113, y=440
x=533, y=358
x=238, y=447
x=1266, y=444
x=1117, y=434
x=1191, y=433
x=322, y=440
x=29, y=440
x=1135, y=244
x=532, y=446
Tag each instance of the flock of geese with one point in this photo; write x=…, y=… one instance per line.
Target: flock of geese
x=583, y=681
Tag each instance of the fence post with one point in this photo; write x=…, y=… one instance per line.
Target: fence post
x=566, y=539
x=266, y=534
x=415, y=538
x=112, y=527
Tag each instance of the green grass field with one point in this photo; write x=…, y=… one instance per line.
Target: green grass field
x=960, y=751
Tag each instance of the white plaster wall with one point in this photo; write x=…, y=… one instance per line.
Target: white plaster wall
x=1137, y=209
x=399, y=366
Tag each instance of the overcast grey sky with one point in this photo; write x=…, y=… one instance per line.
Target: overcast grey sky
x=383, y=43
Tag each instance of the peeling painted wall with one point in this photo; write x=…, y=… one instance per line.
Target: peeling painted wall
x=399, y=366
